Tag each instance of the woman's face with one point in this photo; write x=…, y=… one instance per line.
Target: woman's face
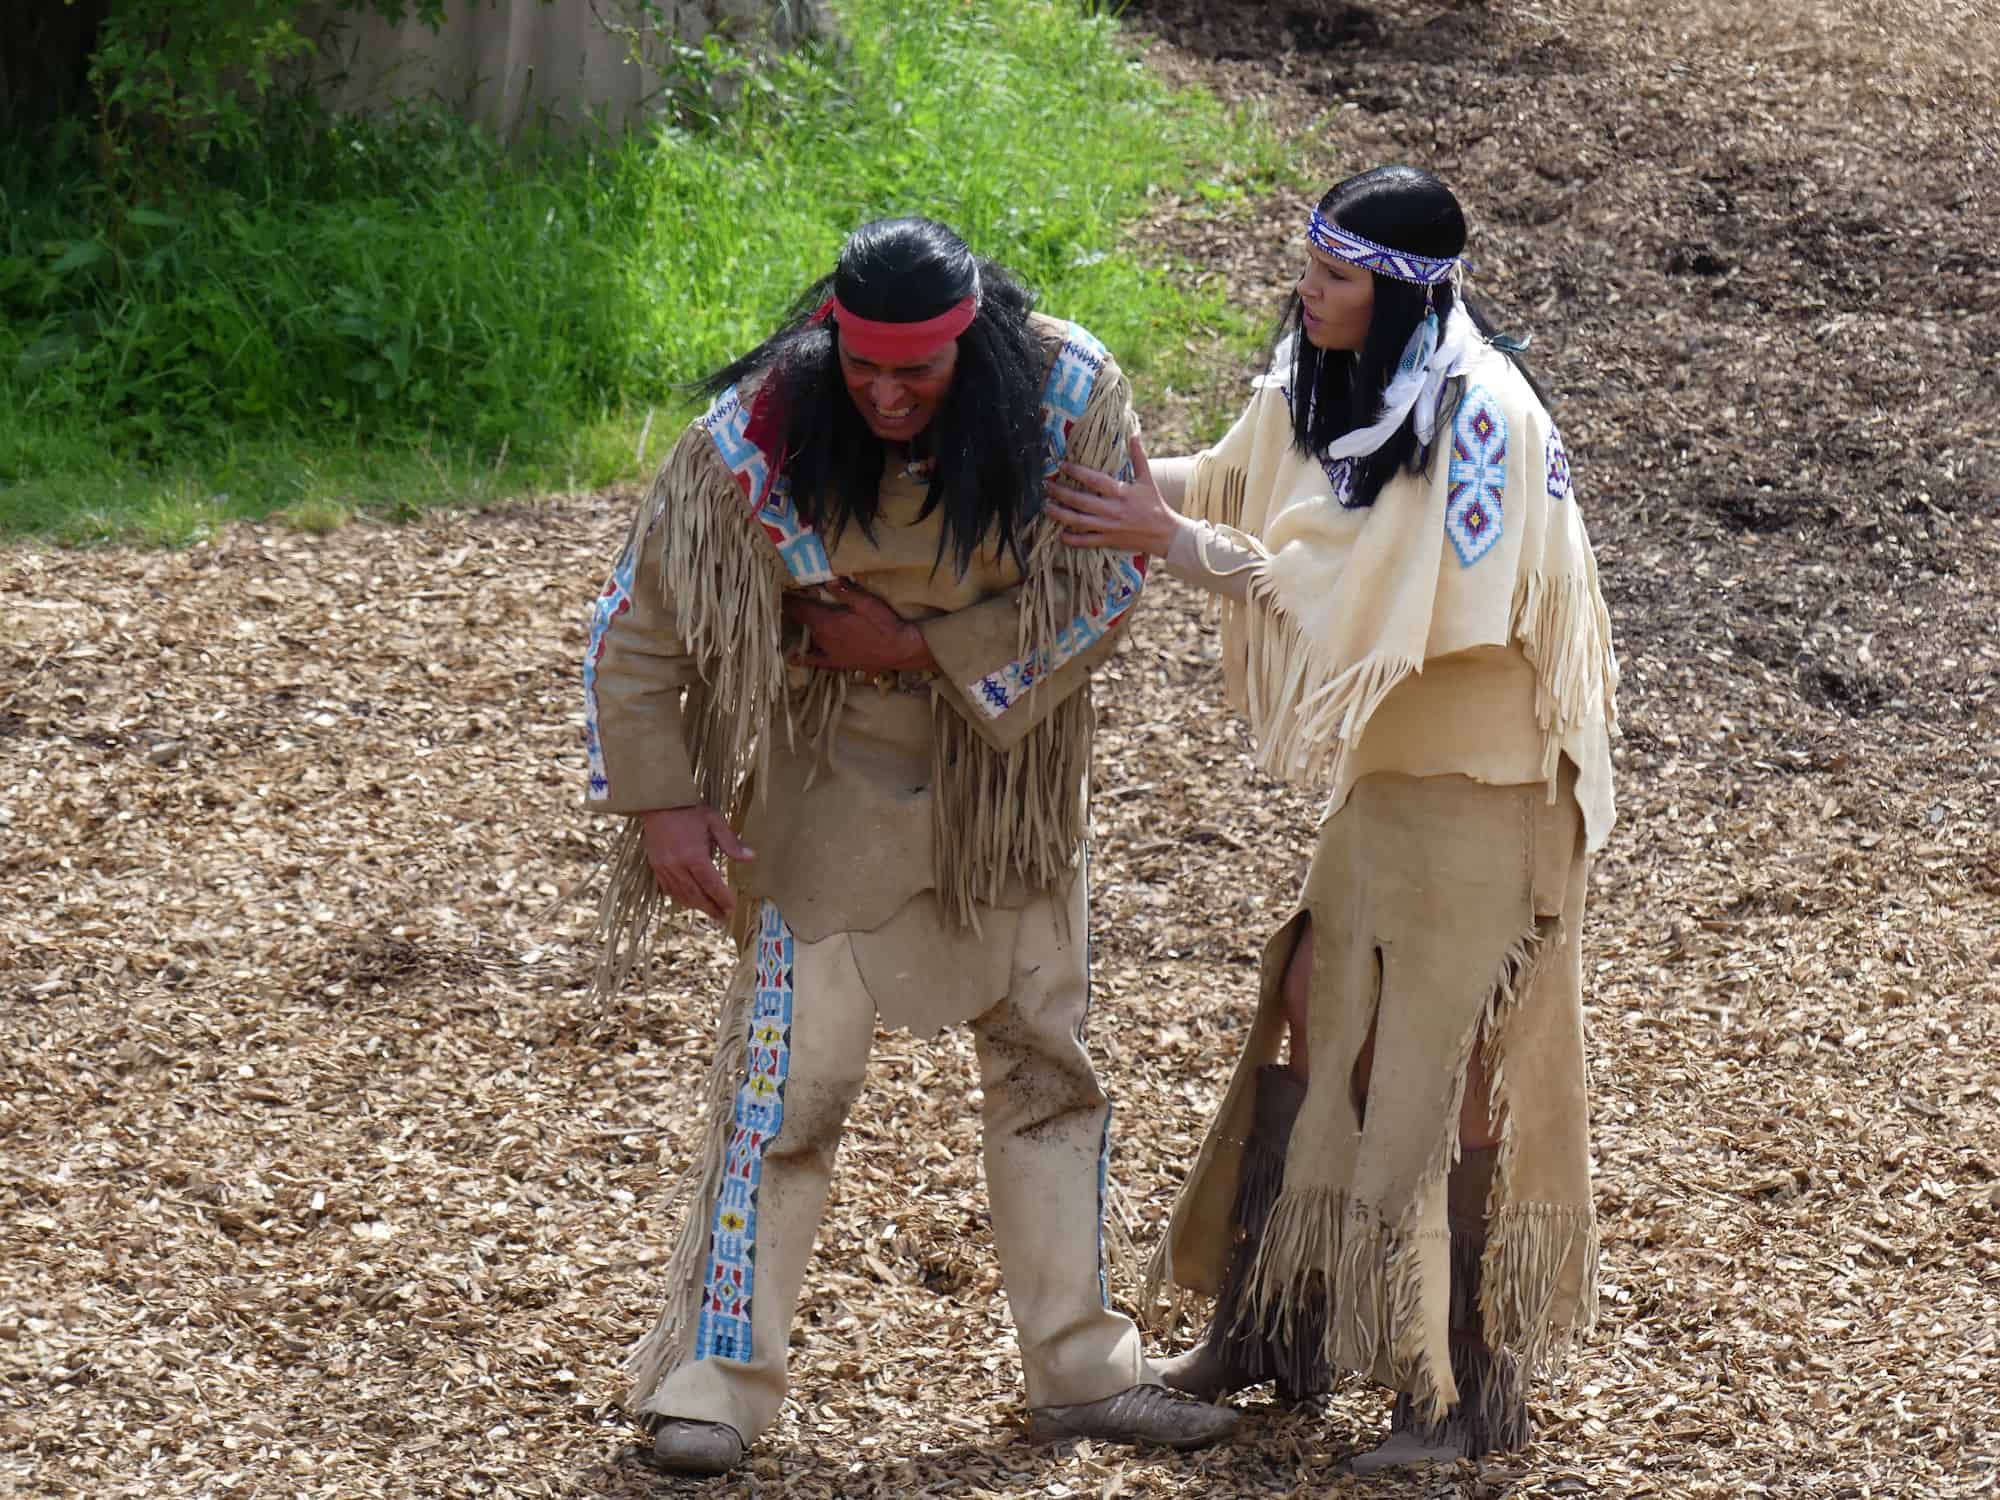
x=1338, y=298
x=898, y=401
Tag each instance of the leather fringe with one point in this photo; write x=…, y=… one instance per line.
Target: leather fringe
x=1061, y=581
x=724, y=580
x=1565, y=632
x=627, y=914
x=671, y=1342
x=997, y=814
x=1530, y=1249
x=1305, y=718
x=1324, y=1245
x=1530, y=1246
x=1216, y=493
x=1001, y=815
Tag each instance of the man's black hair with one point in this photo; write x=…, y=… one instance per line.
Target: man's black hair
x=985, y=439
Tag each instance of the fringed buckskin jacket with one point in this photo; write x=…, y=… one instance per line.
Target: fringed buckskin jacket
x=969, y=783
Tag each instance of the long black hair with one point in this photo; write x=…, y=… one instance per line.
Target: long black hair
x=1337, y=390
x=984, y=441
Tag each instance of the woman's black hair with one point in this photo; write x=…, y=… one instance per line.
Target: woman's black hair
x=984, y=441
x=1337, y=391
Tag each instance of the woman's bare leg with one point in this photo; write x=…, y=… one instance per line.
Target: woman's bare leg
x=1477, y=1129
x=1296, y=988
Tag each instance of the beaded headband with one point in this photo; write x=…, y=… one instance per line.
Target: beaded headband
x=1403, y=265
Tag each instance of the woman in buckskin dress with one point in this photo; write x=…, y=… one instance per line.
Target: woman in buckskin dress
x=1397, y=1181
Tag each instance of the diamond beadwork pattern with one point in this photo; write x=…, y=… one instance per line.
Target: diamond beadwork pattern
x=1557, y=464
x=1474, y=515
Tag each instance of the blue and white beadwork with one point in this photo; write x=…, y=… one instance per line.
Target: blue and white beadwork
x=1066, y=392
x=1000, y=690
x=1557, y=465
x=1473, y=514
x=1340, y=475
x=613, y=602
x=797, y=543
x=724, y=1329
x=1403, y=265
x=727, y=423
x=1065, y=397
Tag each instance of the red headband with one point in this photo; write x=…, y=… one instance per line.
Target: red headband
x=900, y=343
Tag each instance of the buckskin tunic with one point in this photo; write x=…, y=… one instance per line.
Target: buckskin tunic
x=918, y=859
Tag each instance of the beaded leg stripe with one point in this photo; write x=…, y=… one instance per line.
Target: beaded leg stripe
x=724, y=1328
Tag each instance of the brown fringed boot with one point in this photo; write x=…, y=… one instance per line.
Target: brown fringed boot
x=1491, y=1413
x=1232, y=1356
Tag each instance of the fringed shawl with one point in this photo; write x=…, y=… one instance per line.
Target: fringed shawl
x=1486, y=549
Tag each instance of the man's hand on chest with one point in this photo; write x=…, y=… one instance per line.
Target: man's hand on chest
x=853, y=631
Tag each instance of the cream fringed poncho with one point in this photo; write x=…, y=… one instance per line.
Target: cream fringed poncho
x=1441, y=659
x=1349, y=603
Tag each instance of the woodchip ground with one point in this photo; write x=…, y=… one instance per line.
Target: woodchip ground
x=321, y=1176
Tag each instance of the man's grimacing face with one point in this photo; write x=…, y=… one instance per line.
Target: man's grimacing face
x=897, y=401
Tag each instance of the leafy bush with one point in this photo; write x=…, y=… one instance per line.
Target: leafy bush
x=172, y=80
x=358, y=309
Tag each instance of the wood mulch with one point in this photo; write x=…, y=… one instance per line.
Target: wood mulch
x=321, y=1175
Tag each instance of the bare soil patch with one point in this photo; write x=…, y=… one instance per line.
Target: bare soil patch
x=322, y=1176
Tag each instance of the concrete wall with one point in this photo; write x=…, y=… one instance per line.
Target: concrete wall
x=510, y=64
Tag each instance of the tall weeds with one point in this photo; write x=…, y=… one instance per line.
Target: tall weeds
x=383, y=313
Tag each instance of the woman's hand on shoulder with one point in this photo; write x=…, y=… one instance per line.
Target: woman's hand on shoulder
x=1096, y=509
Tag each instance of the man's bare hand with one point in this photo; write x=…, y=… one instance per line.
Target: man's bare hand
x=680, y=846
x=857, y=633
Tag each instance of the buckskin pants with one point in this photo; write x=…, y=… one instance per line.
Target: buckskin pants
x=1046, y=1127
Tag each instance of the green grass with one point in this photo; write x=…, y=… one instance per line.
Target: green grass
x=383, y=317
